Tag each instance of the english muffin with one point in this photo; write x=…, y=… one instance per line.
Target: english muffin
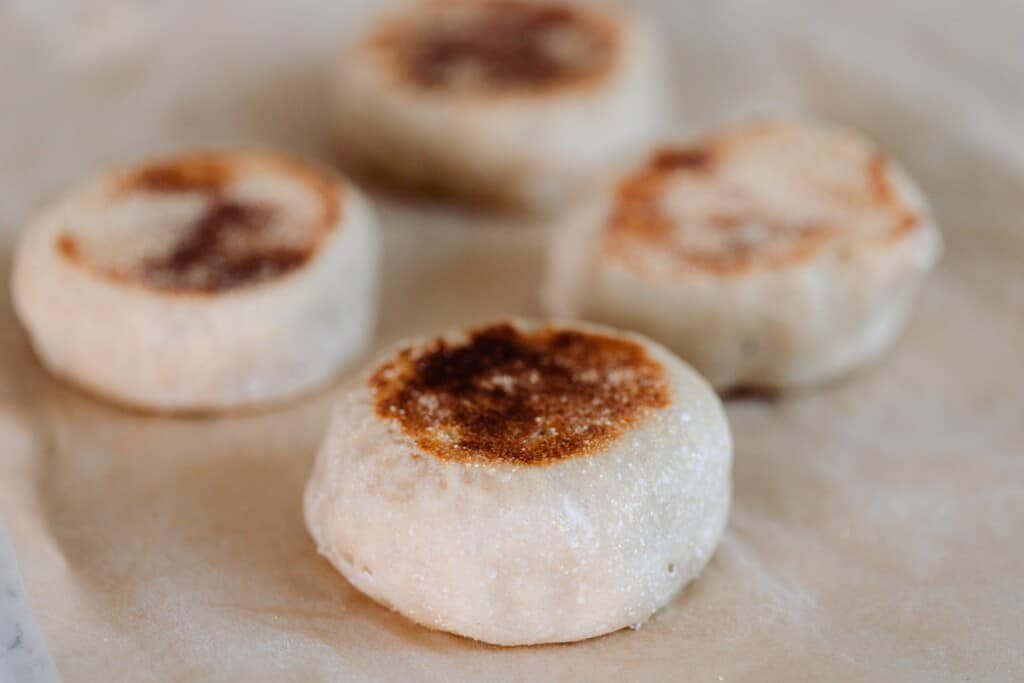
x=204, y=281
x=512, y=101
x=523, y=482
x=770, y=255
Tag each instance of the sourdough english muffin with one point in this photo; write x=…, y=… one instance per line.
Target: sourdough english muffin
x=770, y=255
x=516, y=101
x=523, y=482
x=209, y=280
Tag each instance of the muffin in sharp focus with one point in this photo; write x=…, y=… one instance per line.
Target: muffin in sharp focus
x=523, y=482
x=516, y=102
x=204, y=281
x=770, y=255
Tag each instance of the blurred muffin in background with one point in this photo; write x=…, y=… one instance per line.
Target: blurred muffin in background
x=515, y=102
x=769, y=255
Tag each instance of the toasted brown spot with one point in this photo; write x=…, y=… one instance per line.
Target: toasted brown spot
x=908, y=220
x=211, y=173
x=744, y=233
x=230, y=244
x=68, y=247
x=879, y=174
x=691, y=158
x=498, y=45
x=196, y=173
x=639, y=215
x=206, y=260
x=881, y=183
x=520, y=397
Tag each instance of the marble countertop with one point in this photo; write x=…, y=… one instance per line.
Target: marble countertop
x=23, y=655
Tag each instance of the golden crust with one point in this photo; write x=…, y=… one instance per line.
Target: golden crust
x=519, y=397
x=491, y=47
x=224, y=248
x=817, y=210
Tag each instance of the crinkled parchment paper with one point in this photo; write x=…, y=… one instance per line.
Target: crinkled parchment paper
x=878, y=526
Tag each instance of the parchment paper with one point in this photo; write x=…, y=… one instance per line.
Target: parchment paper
x=877, y=527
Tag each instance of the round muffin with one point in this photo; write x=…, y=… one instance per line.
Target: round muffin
x=205, y=281
x=769, y=255
x=522, y=482
x=512, y=101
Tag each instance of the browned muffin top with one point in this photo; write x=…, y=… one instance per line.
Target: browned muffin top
x=528, y=397
x=497, y=45
x=203, y=223
x=765, y=195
